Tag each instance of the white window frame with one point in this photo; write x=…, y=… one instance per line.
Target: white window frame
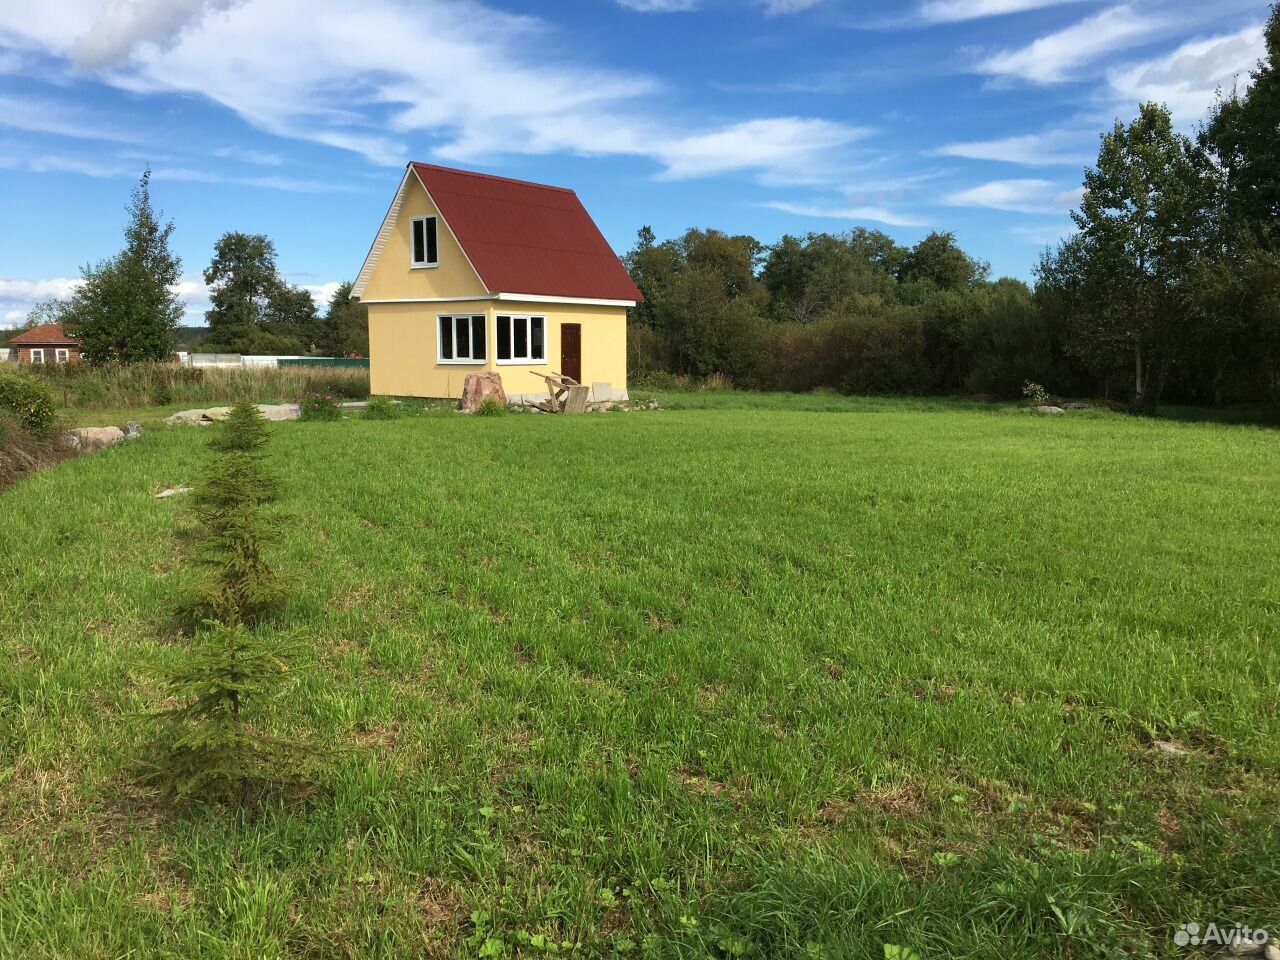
x=34, y=351
x=457, y=319
x=61, y=355
x=528, y=360
x=424, y=264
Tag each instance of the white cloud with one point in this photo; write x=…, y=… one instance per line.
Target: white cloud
x=1053, y=58
x=1048, y=149
x=132, y=169
x=44, y=116
x=854, y=213
x=658, y=6
x=771, y=7
x=401, y=82
x=775, y=145
x=953, y=11
x=1016, y=196
x=775, y=8
x=122, y=25
x=18, y=296
x=261, y=158
x=1188, y=78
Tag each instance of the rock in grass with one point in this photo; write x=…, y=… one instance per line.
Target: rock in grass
x=1169, y=748
x=1245, y=947
x=478, y=387
x=132, y=430
x=172, y=492
x=1273, y=951
x=89, y=439
x=1054, y=411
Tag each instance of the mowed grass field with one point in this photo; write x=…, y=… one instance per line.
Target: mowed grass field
x=783, y=678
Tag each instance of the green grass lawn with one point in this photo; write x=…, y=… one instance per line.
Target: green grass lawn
x=751, y=680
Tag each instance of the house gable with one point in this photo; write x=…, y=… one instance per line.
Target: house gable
x=389, y=274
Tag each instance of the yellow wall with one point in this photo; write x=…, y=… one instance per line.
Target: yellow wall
x=403, y=347
x=394, y=279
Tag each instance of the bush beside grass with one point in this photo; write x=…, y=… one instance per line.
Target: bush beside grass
x=29, y=401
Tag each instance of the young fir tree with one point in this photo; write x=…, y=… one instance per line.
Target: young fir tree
x=209, y=748
x=232, y=528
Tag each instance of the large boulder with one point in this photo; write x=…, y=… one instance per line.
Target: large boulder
x=89, y=439
x=480, y=386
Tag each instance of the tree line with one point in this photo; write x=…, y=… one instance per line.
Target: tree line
x=126, y=309
x=1168, y=290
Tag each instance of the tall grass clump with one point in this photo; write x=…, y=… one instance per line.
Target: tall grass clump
x=156, y=384
x=208, y=749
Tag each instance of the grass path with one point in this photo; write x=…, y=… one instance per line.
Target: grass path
x=732, y=682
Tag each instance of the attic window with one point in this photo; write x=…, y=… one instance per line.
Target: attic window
x=462, y=339
x=522, y=339
x=424, y=248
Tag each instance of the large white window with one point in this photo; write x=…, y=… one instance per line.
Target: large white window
x=521, y=339
x=424, y=247
x=61, y=355
x=37, y=354
x=461, y=339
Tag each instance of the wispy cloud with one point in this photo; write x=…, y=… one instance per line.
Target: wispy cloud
x=393, y=77
x=1053, y=58
x=659, y=6
x=1050, y=148
x=261, y=158
x=40, y=115
x=953, y=11
x=1016, y=196
x=18, y=296
x=117, y=169
x=852, y=213
x=1188, y=78
x=777, y=8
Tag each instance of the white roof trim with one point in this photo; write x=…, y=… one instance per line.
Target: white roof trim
x=380, y=241
x=512, y=297
x=542, y=298
x=479, y=296
x=384, y=234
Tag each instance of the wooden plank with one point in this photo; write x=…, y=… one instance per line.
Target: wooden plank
x=577, y=401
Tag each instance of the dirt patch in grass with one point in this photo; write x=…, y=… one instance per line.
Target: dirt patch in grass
x=22, y=455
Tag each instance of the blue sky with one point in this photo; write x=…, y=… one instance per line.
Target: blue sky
x=294, y=117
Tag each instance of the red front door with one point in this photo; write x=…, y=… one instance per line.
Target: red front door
x=571, y=350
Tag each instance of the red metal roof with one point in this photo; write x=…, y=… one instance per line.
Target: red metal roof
x=526, y=237
x=45, y=333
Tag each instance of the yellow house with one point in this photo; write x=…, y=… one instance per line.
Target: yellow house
x=473, y=272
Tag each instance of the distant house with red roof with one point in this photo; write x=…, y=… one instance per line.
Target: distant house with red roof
x=473, y=272
x=47, y=343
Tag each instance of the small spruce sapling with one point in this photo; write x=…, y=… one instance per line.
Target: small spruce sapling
x=232, y=528
x=209, y=749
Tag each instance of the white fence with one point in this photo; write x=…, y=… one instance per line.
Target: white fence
x=233, y=359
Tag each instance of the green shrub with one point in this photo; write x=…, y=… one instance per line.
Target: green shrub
x=381, y=408
x=30, y=400
x=319, y=406
x=490, y=407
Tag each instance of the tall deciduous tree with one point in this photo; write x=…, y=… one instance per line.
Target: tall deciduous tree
x=253, y=309
x=126, y=310
x=1141, y=222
